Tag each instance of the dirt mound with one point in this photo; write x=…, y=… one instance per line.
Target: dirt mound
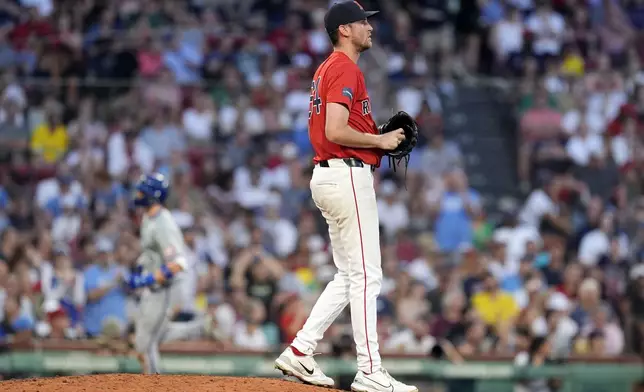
x=155, y=383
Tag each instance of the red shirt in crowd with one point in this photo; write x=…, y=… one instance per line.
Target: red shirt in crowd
x=340, y=80
x=22, y=32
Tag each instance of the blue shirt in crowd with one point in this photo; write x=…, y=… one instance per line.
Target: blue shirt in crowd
x=111, y=304
x=453, y=226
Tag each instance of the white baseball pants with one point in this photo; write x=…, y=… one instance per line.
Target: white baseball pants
x=346, y=198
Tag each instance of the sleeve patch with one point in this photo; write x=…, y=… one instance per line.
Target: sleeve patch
x=348, y=92
x=170, y=252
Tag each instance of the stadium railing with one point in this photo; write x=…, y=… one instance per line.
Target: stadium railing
x=485, y=374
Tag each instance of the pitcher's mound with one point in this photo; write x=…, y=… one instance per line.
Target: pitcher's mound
x=155, y=383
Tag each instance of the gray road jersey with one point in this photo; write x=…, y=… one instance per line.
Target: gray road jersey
x=161, y=242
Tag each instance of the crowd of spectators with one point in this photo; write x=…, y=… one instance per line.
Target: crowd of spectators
x=215, y=94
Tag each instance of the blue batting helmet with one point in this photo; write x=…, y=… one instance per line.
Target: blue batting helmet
x=151, y=189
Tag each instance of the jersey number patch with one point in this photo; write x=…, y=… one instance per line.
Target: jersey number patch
x=316, y=101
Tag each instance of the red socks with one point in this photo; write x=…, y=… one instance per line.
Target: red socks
x=297, y=352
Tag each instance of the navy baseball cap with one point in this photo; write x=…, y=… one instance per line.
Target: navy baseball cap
x=345, y=13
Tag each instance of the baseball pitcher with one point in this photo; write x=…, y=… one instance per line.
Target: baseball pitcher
x=160, y=268
x=348, y=146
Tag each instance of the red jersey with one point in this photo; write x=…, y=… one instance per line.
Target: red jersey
x=340, y=80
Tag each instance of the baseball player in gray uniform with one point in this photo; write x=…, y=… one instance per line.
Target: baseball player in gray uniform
x=160, y=268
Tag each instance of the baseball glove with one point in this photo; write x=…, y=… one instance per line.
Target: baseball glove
x=408, y=124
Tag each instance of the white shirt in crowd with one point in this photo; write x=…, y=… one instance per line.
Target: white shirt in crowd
x=508, y=37
x=420, y=270
x=278, y=177
x=614, y=337
x=319, y=41
x=388, y=284
x=393, y=217
x=53, y=294
x=213, y=243
x=279, y=80
x=240, y=233
x=296, y=104
x=284, y=235
x=247, y=194
x=622, y=149
x=268, y=178
x=225, y=320
x=515, y=240
x=16, y=93
x=252, y=120
x=539, y=326
x=410, y=100
x=593, y=245
x=608, y=104
x=244, y=339
x=92, y=157
x=581, y=148
x=393, y=213
x=571, y=121
x=406, y=341
x=65, y=227
x=297, y=101
x=18, y=118
x=242, y=178
x=543, y=26
x=50, y=189
x=45, y=7
x=252, y=197
x=318, y=38
x=26, y=306
x=228, y=119
x=562, y=337
x=536, y=207
x=198, y=125
x=555, y=84
x=118, y=163
x=596, y=244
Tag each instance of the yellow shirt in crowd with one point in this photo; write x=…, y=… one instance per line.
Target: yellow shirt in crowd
x=495, y=309
x=573, y=65
x=50, y=145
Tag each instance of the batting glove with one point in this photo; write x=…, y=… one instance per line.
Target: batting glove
x=136, y=281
